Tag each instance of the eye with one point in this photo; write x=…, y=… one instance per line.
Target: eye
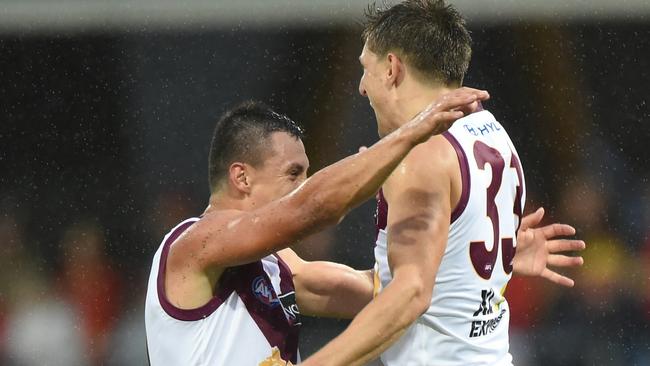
x=294, y=173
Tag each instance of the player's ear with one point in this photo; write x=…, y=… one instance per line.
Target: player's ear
x=396, y=70
x=239, y=176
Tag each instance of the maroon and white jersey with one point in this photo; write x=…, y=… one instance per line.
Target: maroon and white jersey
x=252, y=312
x=467, y=320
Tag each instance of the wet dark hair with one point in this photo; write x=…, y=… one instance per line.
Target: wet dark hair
x=429, y=35
x=241, y=136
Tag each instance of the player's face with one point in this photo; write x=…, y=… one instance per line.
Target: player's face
x=373, y=85
x=284, y=169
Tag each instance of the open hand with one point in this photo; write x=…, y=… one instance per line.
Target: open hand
x=537, y=249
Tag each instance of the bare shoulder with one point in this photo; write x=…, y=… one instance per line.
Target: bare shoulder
x=214, y=222
x=437, y=151
x=204, y=232
x=428, y=162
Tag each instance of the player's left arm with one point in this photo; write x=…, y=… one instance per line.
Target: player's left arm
x=418, y=193
x=539, y=248
x=328, y=289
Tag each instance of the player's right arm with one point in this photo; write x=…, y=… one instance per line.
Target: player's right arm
x=230, y=238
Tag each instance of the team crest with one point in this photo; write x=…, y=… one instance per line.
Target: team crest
x=264, y=292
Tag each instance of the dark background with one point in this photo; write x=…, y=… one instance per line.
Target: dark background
x=103, y=148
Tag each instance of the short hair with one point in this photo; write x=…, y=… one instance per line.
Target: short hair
x=241, y=135
x=429, y=34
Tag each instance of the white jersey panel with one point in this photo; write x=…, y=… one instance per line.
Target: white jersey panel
x=223, y=332
x=467, y=320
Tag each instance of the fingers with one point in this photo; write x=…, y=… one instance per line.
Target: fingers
x=557, y=260
x=469, y=108
x=430, y=122
x=452, y=106
x=554, y=230
x=463, y=100
x=557, y=278
x=564, y=245
x=532, y=220
x=444, y=120
x=455, y=101
x=363, y=148
x=480, y=94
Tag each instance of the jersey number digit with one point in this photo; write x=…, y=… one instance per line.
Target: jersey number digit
x=483, y=260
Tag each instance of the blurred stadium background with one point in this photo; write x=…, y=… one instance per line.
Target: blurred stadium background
x=106, y=111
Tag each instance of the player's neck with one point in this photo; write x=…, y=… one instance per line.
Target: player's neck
x=418, y=97
x=222, y=201
x=405, y=102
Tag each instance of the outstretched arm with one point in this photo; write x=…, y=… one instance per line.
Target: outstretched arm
x=217, y=242
x=538, y=248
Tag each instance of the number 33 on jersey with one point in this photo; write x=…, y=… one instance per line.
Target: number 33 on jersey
x=468, y=315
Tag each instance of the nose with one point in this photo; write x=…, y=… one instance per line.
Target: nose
x=362, y=90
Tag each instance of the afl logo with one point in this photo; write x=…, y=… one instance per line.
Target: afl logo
x=264, y=292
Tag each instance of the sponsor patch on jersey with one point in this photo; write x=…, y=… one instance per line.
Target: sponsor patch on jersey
x=264, y=292
x=483, y=327
x=486, y=303
x=480, y=328
x=290, y=308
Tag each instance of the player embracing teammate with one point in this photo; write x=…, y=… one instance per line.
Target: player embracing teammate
x=226, y=289
x=449, y=215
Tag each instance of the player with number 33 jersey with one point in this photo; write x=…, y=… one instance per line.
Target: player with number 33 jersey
x=468, y=315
